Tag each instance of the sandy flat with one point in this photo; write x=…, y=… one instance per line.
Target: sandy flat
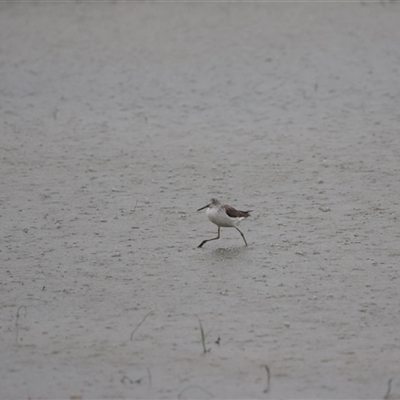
x=119, y=120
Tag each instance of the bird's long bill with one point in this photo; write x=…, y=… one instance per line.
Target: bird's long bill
x=202, y=208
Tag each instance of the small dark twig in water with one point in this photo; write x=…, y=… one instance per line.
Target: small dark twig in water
x=387, y=395
x=266, y=390
x=134, y=208
x=137, y=381
x=203, y=337
x=141, y=322
x=125, y=378
x=194, y=387
x=149, y=374
x=16, y=321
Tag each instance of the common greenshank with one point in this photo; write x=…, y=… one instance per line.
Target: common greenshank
x=225, y=217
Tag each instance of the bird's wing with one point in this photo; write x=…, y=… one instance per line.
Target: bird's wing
x=233, y=213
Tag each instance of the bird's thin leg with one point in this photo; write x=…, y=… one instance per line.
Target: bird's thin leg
x=208, y=240
x=242, y=235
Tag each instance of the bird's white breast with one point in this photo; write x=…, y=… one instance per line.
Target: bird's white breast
x=220, y=218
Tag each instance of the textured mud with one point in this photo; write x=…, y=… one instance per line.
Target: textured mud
x=119, y=120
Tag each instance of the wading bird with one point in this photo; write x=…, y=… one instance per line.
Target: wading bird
x=225, y=217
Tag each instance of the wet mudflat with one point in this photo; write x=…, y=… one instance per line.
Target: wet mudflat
x=120, y=120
